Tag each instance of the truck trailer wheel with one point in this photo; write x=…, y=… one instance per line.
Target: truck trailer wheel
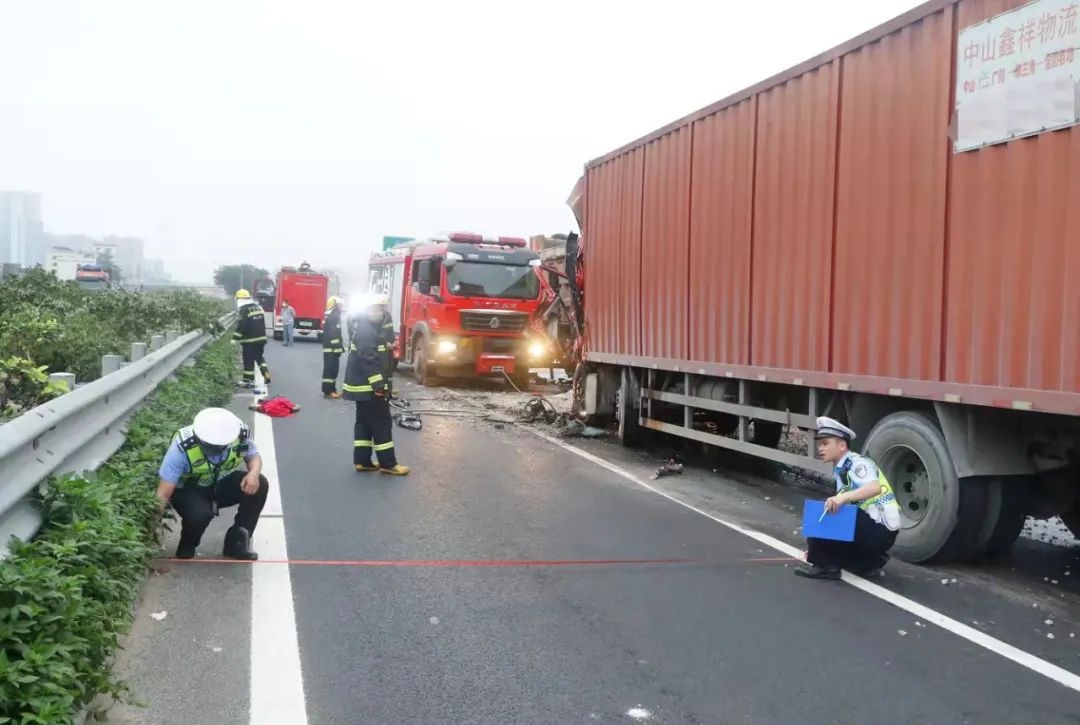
x=425, y=372
x=627, y=409
x=1006, y=506
x=767, y=433
x=1072, y=519
x=941, y=515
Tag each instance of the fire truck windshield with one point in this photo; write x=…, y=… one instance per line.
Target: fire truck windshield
x=476, y=279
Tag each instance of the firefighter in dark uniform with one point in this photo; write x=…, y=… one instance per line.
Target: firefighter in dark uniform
x=366, y=384
x=332, y=348
x=386, y=343
x=251, y=334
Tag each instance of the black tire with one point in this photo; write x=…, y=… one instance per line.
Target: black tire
x=767, y=433
x=279, y=335
x=425, y=373
x=1006, y=507
x=521, y=381
x=627, y=409
x=942, y=515
x=1072, y=519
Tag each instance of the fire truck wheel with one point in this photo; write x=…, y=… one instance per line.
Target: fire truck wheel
x=425, y=372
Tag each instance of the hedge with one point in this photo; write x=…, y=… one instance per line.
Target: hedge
x=67, y=596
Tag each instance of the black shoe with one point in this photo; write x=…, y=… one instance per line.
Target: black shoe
x=185, y=551
x=237, y=545
x=819, y=572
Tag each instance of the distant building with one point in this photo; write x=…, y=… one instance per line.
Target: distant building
x=21, y=234
x=153, y=270
x=128, y=255
x=64, y=261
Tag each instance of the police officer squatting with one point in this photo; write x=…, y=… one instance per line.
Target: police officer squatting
x=251, y=334
x=201, y=473
x=366, y=383
x=859, y=481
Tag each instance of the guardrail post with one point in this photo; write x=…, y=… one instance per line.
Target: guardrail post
x=157, y=342
x=110, y=364
x=138, y=351
x=171, y=335
x=65, y=379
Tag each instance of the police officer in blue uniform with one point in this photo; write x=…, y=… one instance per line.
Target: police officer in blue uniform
x=859, y=481
x=213, y=464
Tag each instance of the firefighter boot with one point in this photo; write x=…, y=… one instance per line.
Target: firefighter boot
x=238, y=545
x=362, y=468
x=396, y=470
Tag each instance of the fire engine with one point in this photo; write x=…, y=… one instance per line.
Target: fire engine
x=464, y=305
x=306, y=291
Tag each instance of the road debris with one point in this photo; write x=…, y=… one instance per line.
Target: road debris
x=158, y=616
x=902, y=632
x=1049, y=635
x=920, y=624
x=409, y=421
x=672, y=467
x=638, y=713
x=1049, y=622
x=434, y=620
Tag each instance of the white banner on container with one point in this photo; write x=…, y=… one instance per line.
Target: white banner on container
x=1018, y=74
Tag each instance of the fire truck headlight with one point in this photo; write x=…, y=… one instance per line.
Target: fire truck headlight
x=537, y=350
x=446, y=347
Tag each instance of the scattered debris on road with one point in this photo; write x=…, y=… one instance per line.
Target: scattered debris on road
x=158, y=616
x=638, y=713
x=902, y=632
x=672, y=467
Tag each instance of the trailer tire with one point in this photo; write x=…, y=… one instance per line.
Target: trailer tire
x=425, y=372
x=1005, y=515
x=627, y=409
x=1072, y=519
x=767, y=433
x=941, y=514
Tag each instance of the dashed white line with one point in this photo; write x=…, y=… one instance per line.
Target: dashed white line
x=1019, y=656
x=277, y=683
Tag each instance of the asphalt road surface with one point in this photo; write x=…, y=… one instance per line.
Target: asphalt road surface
x=508, y=580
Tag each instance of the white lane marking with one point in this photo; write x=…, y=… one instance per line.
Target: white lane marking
x=1019, y=656
x=277, y=683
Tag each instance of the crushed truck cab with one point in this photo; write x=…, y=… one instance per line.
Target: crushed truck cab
x=464, y=306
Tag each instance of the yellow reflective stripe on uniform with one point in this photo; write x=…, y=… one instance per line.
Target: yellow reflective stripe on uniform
x=357, y=388
x=245, y=340
x=363, y=444
x=376, y=378
x=336, y=339
x=384, y=446
x=381, y=348
x=329, y=380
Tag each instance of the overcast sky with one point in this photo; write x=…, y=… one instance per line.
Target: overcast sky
x=275, y=131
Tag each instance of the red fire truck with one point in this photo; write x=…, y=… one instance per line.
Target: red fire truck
x=306, y=290
x=464, y=306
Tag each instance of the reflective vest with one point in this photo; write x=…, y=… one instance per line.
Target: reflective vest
x=250, y=324
x=203, y=472
x=885, y=497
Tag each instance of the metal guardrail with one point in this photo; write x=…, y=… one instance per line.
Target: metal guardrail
x=77, y=431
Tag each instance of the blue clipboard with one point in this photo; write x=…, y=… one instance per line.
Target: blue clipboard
x=838, y=526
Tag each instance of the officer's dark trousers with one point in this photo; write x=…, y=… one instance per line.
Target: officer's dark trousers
x=331, y=364
x=253, y=355
x=373, y=432
x=866, y=552
x=196, y=505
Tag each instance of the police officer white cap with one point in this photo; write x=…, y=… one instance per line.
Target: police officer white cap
x=216, y=427
x=829, y=428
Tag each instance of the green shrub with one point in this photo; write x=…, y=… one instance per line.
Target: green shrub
x=67, y=328
x=66, y=597
x=24, y=385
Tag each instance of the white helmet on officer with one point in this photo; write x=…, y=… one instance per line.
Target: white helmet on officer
x=216, y=428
